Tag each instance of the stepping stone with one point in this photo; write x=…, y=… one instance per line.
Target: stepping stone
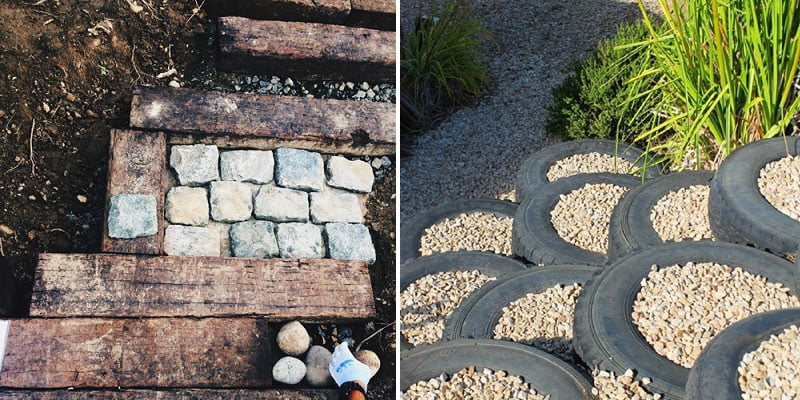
x=334, y=205
x=115, y=285
x=281, y=205
x=254, y=166
x=349, y=242
x=254, y=239
x=306, y=51
x=298, y=240
x=187, y=206
x=182, y=240
x=132, y=215
x=299, y=169
x=353, y=175
x=195, y=165
x=231, y=201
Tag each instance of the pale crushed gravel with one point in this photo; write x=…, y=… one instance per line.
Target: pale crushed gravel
x=772, y=371
x=476, y=151
x=428, y=302
x=681, y=308
x=543, y=319
x=683, y=214
x=582, y=216
x=587, y=163
x=608, y=386
x=474, y=384
x=779, y=182
x=475, y=231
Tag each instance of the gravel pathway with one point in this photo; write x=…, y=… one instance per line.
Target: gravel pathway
x=476, y=151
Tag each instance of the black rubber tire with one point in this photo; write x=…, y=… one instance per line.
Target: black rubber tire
x=631, y=229
x=544, y=372
x=533, y=173
x=411, y=232
x=604, y=333
x=715, y=374
x=8, y=286
x=535, y=239
x=739, y=212
x=489, y=264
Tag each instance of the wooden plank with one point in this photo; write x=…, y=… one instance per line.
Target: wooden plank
x=306, y=51
x=322, y=11
x=178, y=394
x=136, y=164
x=107, y=285
x=136, y=353
x=374, y=14
x=336, y=126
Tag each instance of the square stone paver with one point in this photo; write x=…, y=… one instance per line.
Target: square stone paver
x=299, y=169
x=353, y=175
x=187, y=206
x=254, y=239
x=349, y=242
x=231, y=201
x=334, y=205
x=132, y=215
x=182, y=240
x=281, y=204
x=254, y=166
x=195, y=165
x=299, y=240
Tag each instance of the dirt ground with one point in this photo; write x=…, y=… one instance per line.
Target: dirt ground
x=67, y=68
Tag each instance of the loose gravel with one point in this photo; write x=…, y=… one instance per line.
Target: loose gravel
x=773, y=370
x=681, y=308
x=779, y=182
x=543, y=320
x=683, y=214
x=470, y=383
x=428, y=302
x=582, y=216
x=608, y=386
x=586, y=164
x=475, y=231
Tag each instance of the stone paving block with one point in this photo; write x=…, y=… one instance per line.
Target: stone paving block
x=223, y=230
x=254, y=239
x=254, y=166
x=299, y=240
x=353, y=175
x=132, y=215
x=333, y=205
x=187, y=206
x=299, y=169
x=349, y=242
x=231, y=201
x=281, y=204
x=195, y=164
x=182, y=240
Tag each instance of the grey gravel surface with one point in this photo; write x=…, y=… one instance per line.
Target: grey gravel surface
x=476, y=152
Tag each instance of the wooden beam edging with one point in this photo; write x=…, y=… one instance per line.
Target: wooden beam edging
x=172, y=394
x=322, y=11
x=373, y=14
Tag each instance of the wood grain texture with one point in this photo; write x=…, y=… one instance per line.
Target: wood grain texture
x=374, y=14
x=108, y=285
x=339, y=126
x=306, y=51
x=134, y=353
x=177, y=394
x=137, y=165
x=323, y=11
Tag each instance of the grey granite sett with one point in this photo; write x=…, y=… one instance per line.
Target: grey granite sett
x=182, y=240
x=349, y=242
x=254, y=239
x=195, y=165
x=334, y=205
x=132, y=215
x=281, y=204
x=299, y=240
x=356, y=175
x=299, y=169
x=254, y=166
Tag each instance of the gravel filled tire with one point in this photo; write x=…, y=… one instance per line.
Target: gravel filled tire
x=545, y=373
x=487, y=263
x=533, y=173
x=739, y=212
x=631, y=228
x=412, y=231
x=604, y=333
x=7, y=288
x=535, y=239
x=715, y=374
x=479, y=314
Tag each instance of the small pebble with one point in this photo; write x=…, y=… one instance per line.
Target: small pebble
x=475, y=231
x=772, y=371
x=779, y=182
x=475, y=384
x=582, y=217
x=586, y=164
x=683, y=214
